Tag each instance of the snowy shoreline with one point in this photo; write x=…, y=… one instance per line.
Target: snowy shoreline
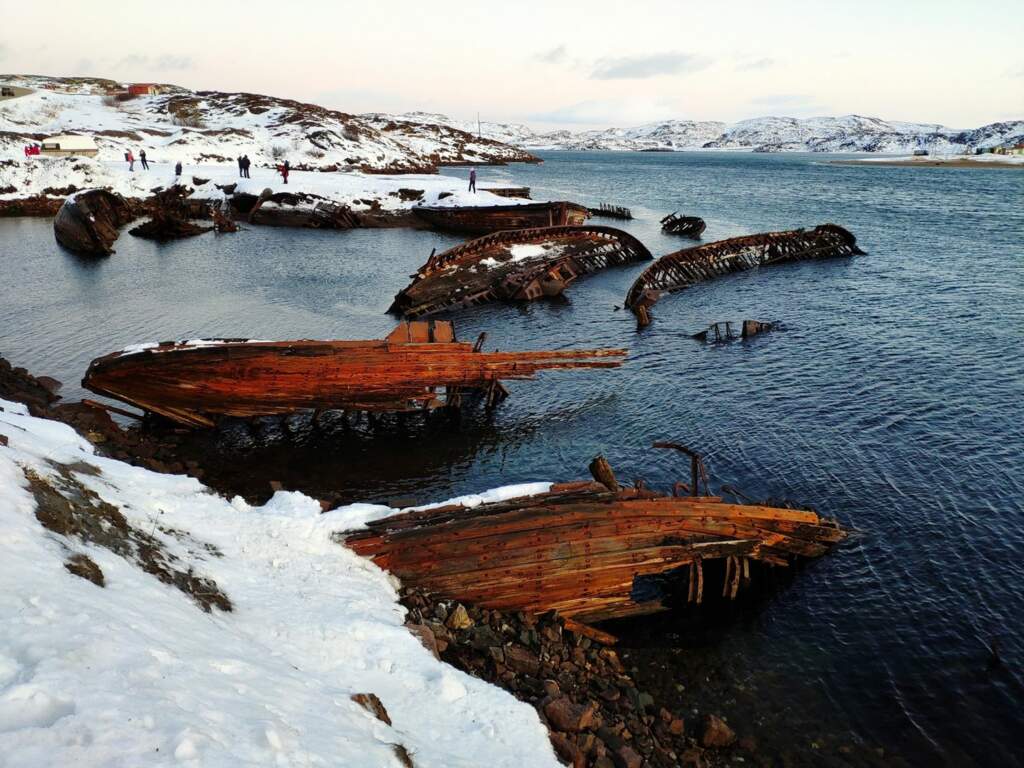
x=134, y=672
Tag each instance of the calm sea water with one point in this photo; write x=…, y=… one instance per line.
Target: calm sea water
x=891, y=400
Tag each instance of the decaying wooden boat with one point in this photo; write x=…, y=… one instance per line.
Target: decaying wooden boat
x=684, y=268
x=88, y=221
x=592, y=550
x=170, y=216
x=419, y=366
x=517, y=265
x=484, y=219
x=287, y=209
x=608, y=211
x=688, y=226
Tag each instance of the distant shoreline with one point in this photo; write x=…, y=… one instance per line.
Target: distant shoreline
x=930, y=162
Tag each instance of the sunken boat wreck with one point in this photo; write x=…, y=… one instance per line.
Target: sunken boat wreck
x=89, y=221
x=688, y=226
x=518, y=265
x=593, y=550
x=484, y=219
x=419, y=366
x=684, y=268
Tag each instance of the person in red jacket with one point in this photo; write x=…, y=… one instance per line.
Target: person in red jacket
x=131, y=160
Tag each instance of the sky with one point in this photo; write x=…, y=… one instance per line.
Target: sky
x=553, y=64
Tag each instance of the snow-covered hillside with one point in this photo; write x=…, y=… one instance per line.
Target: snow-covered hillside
x=147, y=621
x=198, y=127
x=850, y=133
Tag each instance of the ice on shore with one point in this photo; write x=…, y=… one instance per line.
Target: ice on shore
x=135, y=673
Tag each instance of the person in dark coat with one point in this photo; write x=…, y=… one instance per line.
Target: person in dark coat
x=241, y=166
x=142, y=159
x=472, y=180
x=177, y=169
x=246, y=162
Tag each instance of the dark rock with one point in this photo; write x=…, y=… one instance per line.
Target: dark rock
x=566, y=715
x=372, y=704
x=716, y=733
x=425, y=635
x=82, y=565
x=521, y=660
x=626, y=757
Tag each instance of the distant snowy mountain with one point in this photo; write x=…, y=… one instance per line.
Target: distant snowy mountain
x=849, y=133
x=198, y=127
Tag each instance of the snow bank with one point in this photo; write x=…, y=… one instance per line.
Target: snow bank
x=134, y=673
x=360, y=191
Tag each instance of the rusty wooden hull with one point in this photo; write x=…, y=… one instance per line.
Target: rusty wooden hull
x=581, y=548
x=687, y=226
x=88, y=221
x=482, y=220
x=418, y=366
x=517, y=265
x=684, y=268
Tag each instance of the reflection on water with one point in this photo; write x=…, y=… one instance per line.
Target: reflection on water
x=891, y=401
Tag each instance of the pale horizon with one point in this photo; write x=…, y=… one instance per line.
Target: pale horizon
x=920, y=62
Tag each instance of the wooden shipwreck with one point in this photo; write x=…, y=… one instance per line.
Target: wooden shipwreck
x=684, y=268
x=89, y=221
x=419, y=366
x=593, y=550
x=518, y=265
x=484, y=219
x=688, y=226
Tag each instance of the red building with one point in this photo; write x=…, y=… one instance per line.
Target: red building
x=143, y=89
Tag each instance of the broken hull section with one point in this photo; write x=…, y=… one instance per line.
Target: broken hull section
x=518, y=265
x=688, y=226
x=684, y=268
x=482, y=220
x=88, y=221
x=582, y=549
x=418, y=366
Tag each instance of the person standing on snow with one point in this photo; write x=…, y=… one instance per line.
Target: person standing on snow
x=131, y=160
x=142, y=159
x=241, y=166
x=177, y=170
x=283, y=170
x=472, y=180
x=246, y=162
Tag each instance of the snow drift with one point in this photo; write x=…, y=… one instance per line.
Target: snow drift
x=140, y=672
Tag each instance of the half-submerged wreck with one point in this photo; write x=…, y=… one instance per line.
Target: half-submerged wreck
x=688, y=226
x=88, y=221
x=419, y=366
x=593, y=550
x=684, y=268
x=518, y=265
x=484, y=219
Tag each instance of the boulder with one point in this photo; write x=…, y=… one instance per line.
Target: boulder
x=717, y=733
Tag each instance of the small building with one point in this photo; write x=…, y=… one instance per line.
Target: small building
x=143, y=89
x=68, y=144
x=1017, y=149
x=920, y=153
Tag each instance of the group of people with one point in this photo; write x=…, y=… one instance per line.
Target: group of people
x=129, y=158
x=243, y=166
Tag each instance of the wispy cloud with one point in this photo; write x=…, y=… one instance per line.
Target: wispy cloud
x=554, y=56
x=753, y=64
x=164, y=62
x=652, y=65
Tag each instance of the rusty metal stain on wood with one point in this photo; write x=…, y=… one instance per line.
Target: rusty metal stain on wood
x=579, y=547
x=484, y=219
x=412, y=369
x=681, y=269
x=498, y=267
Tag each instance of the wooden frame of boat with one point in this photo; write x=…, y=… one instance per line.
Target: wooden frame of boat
x=688, y=226
x=419, y=366
x=484, y=219
x=489, y=269
x=681, y=269
x=581, y=548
